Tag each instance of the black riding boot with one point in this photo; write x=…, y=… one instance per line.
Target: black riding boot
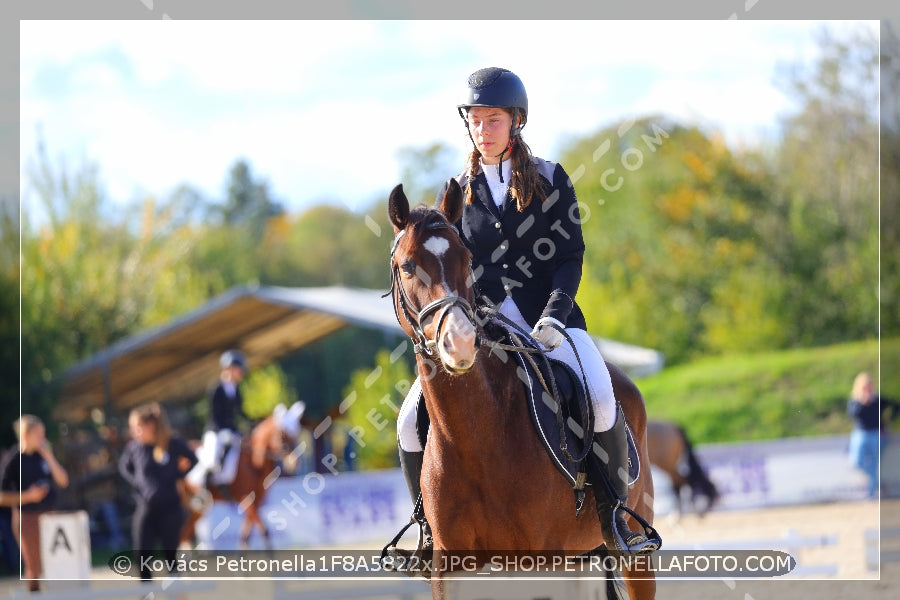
x=411, y=465
x=615, y=470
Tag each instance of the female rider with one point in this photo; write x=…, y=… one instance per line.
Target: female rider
x=522, y=224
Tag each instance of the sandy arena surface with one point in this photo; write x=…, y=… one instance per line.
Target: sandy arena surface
x=837, y=532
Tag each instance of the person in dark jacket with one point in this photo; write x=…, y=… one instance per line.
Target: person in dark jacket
x=27, y=480
x=10, y=547
x=226, y=406
x=869, y=436
x=154, y=462
x=521, y=221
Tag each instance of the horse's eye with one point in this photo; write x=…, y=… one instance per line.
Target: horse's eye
x=408, y=266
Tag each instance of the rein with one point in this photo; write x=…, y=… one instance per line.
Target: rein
x=552, y=391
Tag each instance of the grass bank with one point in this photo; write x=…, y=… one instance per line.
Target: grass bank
x=769, y=395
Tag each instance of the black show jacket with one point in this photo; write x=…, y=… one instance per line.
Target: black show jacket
x=535, y=255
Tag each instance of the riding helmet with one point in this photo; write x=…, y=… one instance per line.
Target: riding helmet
x=232, y=358
x=495, y=87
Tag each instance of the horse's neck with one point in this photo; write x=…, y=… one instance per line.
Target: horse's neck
x=261, y=435
x=476, y=405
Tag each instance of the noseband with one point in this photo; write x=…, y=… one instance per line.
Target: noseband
x=441, y=306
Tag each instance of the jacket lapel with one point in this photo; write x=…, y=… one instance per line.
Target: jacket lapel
x=483, y=194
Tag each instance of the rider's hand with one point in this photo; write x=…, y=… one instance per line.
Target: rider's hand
x=548, y=331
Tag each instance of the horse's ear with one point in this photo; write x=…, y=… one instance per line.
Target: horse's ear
x=398, y=208
x=452, y=204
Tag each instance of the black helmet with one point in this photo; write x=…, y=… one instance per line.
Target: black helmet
x=496, y=87
x=232, y=358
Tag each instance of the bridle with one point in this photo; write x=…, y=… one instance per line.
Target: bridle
x=441, y=306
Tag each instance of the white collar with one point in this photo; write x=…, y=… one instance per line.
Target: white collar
x=498, y=188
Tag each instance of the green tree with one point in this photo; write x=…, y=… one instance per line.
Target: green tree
x=375, y=395
x=695, y=249
x=425, y=168
x=823, y=229
x=327, y=245
x=669, y=218
x=89, y=279
x=248, y=202
x=9, y=318
x=265, y=388
x=890, y=178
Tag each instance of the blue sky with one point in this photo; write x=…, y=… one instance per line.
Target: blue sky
x=320, y=108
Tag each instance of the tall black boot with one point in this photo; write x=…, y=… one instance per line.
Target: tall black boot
x=610, y=480
x=411, y=465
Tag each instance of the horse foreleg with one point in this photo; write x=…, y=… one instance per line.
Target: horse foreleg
x=438, y=585
x=246, y=530
x=437, y=579
x=251, y=520
x=186, y=539
x=677, y=510
x=263, y=530
x=640, y=580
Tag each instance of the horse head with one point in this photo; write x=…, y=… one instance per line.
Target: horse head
x=276, y=435
x=431, y=279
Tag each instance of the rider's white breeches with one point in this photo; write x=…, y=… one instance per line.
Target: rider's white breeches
x=210, y=453
x=597, y=375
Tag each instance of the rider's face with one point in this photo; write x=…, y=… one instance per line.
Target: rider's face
x=489, y=128
x=235, y=373
x=35, y=438
x=143, y=432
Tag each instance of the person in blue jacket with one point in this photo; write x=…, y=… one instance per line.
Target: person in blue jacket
x=154, y=462
x=870, y=434
x=521, y=221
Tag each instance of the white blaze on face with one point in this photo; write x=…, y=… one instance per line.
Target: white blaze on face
x=457, y=344
x=438, y=246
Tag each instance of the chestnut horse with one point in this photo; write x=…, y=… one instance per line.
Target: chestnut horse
x=671, y=451
x=257, y=466
x=487, y=482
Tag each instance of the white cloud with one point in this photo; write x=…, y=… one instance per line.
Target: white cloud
x=320, y=108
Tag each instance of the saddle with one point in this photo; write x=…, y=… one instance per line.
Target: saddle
x=565, y=446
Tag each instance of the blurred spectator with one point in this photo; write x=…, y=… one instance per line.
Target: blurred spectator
x=27, y=479
x=8, y=545
x=870, y=434
x=154, y=462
